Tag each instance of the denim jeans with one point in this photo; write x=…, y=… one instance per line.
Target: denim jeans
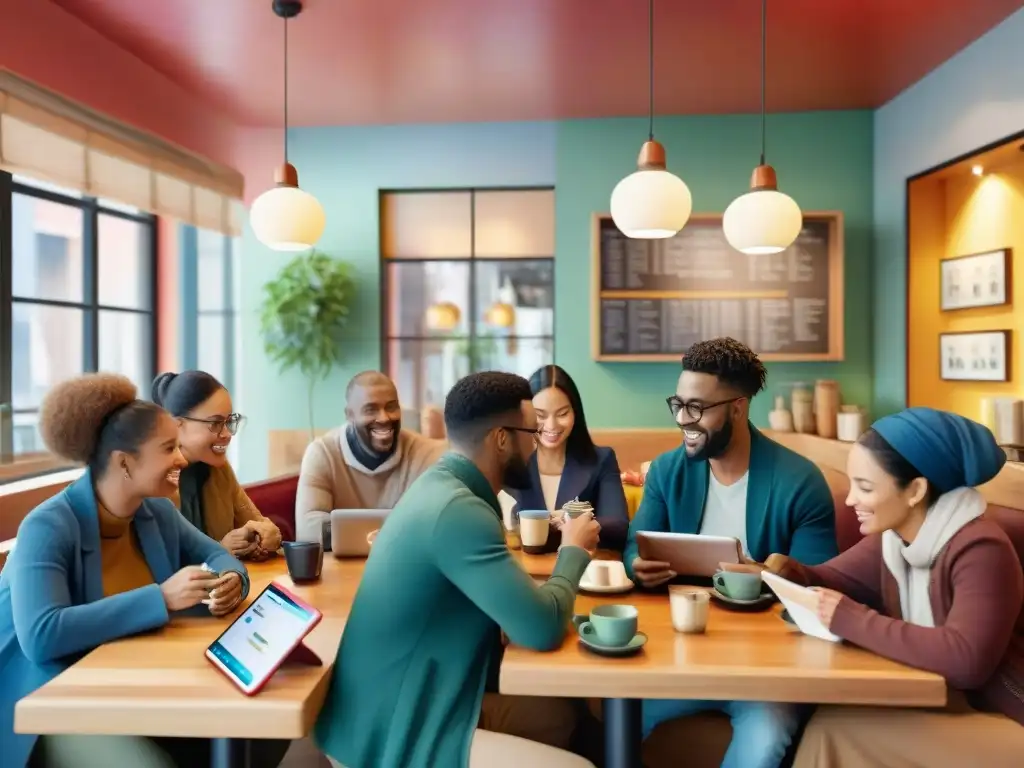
x=761, y=731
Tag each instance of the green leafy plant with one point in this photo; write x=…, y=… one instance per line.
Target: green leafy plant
x=303, y=314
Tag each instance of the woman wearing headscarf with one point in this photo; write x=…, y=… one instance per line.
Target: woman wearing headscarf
x=935, y=585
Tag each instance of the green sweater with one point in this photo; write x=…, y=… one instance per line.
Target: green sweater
x=790, y=509
x=424, y=633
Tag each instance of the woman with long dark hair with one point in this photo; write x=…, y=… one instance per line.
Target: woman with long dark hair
x=567, y=466
x=209, y=495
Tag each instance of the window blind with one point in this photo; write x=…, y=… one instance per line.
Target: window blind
x=50, y=138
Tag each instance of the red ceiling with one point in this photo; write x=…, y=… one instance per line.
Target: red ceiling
x=400, y=61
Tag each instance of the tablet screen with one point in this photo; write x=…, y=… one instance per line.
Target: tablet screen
x=258, y=640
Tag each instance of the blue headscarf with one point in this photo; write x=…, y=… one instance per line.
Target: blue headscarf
x=949, y=451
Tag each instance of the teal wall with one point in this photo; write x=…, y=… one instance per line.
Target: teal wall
x=974, y=99
x=346, y=168
x=823, y=160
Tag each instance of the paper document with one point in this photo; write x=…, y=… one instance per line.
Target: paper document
x=801, y=603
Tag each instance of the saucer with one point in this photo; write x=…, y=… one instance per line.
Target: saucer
x=611, y=589
x=762, y=602
x=633, y=646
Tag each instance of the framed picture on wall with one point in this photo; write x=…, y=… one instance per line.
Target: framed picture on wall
x=975, y=356
x=977, y=280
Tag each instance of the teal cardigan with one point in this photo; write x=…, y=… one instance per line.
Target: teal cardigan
x=424, y=634
x=790, y=509
x=52, y=607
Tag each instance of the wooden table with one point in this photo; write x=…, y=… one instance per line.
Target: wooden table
x=741, y=657
x=160, y=684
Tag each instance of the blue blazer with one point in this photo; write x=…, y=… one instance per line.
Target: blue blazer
x=598, y=482
x=52, y=608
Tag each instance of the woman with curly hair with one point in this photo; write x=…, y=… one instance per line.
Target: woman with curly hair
x=108, y=557
x=209, y=495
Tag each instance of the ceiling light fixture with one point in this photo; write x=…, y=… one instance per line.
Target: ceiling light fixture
x=977, y=170
x=651, y=203
x=764, y=220
x=286, y=218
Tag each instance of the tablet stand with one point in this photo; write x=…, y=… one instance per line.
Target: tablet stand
x=303, y=654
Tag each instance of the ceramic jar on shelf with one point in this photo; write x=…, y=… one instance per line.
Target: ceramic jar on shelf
x=802, y=403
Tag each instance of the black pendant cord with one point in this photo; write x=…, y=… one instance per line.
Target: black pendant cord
x=650, y=74
x=764, y=27
x=286, y=91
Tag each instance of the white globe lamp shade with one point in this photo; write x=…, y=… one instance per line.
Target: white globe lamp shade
x=764, y=220
x=651, y=203
x=285, y=218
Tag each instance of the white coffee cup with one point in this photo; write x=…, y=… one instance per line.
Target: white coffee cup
x=605, y=573
x=689, y=607
x=534, y=526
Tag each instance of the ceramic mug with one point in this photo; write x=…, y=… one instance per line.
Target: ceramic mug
x=739, y=585
x=534, y=527
x=611, y=625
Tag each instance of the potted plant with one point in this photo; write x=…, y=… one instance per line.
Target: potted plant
x=302, y=316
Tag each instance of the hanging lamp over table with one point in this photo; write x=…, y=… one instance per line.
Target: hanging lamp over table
x=285, y=217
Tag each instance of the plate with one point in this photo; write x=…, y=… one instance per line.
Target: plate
x=758, y=603
x=614, y=589
x=633, y=646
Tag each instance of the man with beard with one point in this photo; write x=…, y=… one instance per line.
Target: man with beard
x=728, y=479
x=366, y=464
x=424, y=636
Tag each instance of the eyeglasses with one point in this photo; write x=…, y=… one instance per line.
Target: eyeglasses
x=232, y=423
x=694, y=409
x=527, y=430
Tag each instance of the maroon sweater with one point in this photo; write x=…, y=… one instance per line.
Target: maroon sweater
x=977, y=590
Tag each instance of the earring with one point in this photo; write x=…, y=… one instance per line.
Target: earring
x=126, y=475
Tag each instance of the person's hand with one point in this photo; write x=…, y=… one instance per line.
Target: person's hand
x=240, y=542
x=776, y=562
x=269, y=534
x=557, y=522
x=225, y=594
x=582, y=531
x=188, y=587
x=652, y=573
x=828, y=601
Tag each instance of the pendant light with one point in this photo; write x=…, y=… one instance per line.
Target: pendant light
x=286, y=218
x=764, y=220
x=651, y=203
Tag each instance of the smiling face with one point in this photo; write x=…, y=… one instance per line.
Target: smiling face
x=709, y=436
x=204, y=436
x=878, y=501
x=555, y=417
x=373, y=410
x=155, y=468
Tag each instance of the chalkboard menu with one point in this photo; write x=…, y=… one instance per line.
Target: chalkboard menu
x=655, y=298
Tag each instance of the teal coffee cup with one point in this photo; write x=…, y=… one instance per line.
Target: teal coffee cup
x=737, y=585
x=611, y=625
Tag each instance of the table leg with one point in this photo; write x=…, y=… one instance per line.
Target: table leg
x=230, y=753
x=623, y=733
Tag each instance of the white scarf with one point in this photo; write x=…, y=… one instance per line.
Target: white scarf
x=911, y=564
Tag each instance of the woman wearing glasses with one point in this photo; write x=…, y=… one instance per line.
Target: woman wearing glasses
x=209, y=495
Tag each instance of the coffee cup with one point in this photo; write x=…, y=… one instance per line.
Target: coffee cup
x=611, y=625
x=534, y=527
x=575, y=508
x=689, y=608
x=739, y=585
x=305, y=559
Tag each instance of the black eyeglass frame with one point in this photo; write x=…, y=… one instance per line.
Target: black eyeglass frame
x=694, y=410
x=233, y=423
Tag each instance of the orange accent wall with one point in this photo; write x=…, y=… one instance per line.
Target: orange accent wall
x=957, y=215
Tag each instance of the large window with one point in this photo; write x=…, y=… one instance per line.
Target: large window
x=468, y=286
x=77, y=294
x=209, y=311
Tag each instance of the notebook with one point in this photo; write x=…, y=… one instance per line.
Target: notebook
x=801, y=603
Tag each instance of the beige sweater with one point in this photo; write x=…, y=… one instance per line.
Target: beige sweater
x=332, y=478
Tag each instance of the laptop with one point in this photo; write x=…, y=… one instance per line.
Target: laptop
x=350, y=527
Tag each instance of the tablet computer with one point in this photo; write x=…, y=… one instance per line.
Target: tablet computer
x=689, y=554
x=802, y=604
x=350, y=528
x=250, y=651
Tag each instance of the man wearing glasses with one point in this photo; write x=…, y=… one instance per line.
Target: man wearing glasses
x=727, y=479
